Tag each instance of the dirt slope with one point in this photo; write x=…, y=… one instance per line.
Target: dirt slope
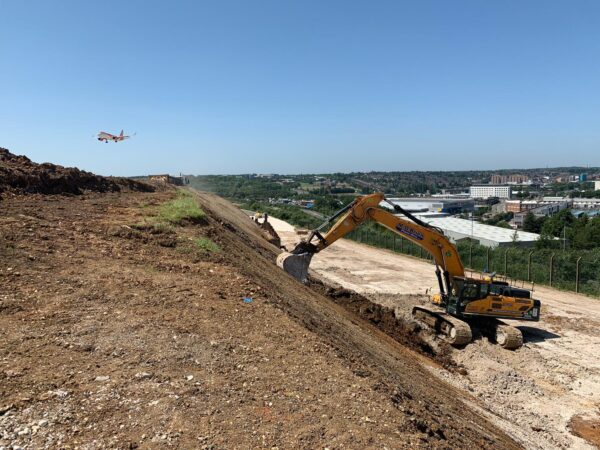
x=397, y=372
x=533, y=393
x=116, y=336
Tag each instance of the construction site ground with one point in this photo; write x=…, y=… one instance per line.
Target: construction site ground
x=543, y=394
x=115, y=333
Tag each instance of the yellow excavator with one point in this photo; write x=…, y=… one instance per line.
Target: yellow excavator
x=461, y=301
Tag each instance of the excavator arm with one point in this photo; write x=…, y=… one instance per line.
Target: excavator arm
x=363, y=209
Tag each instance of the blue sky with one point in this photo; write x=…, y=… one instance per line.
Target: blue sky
x=306, y=86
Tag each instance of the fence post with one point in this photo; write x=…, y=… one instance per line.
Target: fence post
x=577, y=275
x=488, y=268
x=551, y=268
x=420, y=252
x=529, y=266
x=394, y=243
x=401, y=245
x=506, y=263
x=471, y=255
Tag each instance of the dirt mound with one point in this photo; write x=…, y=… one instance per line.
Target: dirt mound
x=18, y=174
x=403, y=331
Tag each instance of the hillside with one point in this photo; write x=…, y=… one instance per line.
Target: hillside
x=123, y=331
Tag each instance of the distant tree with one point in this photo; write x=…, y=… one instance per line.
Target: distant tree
x=498, y=218
x=533, y=224
x=515, y=238
x=555, y=225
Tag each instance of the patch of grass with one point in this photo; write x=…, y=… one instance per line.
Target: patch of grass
x=183, y=208
x=205, y=243
x=162, y=227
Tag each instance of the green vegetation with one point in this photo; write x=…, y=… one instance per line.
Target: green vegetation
x=532, y=223
x=292, y=214
x=242, y=187
x=573, y=232
x=500, y=220
x=183, y=208
x=163, y=227
x=206, y=244
x=565, y=238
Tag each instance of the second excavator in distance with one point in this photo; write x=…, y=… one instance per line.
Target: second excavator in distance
x=461, y=301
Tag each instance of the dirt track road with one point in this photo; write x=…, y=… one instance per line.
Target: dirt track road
x=532, y=393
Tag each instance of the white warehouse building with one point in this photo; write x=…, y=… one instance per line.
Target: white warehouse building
x=490, y=190
x=487, y=235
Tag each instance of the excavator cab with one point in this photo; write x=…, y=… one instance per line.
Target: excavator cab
x=473, y=297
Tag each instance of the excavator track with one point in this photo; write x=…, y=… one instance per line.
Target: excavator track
x=507, y=336
x=455, y=331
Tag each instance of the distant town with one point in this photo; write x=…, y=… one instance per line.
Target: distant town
x=492, y=208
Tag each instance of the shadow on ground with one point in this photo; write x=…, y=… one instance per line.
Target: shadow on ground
x=534, y=335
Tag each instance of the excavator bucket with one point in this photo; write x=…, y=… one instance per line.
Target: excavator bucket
x=295, y=264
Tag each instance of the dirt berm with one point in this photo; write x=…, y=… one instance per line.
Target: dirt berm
x=18, y=174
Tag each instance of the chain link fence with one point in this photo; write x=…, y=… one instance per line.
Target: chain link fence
x=571, y=270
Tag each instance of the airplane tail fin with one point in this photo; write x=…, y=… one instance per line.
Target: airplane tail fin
x=121, y=133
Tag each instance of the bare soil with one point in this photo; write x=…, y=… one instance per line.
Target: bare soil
x=18, y=174
x=532, y=393
x=116, y=335
x=587, y=428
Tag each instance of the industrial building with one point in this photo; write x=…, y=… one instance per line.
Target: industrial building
x=487, y=235
x=490, y=190
x=166, y=179
x=577, y=202
x=517, y=206
x=544, y=210
x=510, y=179
x=443, y=206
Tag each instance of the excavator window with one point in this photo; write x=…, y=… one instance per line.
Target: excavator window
x=471, y=291
x=496, y=289
x=484, y=290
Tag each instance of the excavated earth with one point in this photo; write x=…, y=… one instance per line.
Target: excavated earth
x=118, y=335
x=18, y=174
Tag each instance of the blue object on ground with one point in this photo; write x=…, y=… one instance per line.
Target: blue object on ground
x=247, y=299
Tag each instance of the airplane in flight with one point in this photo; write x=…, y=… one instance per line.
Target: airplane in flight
x=104, y=136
